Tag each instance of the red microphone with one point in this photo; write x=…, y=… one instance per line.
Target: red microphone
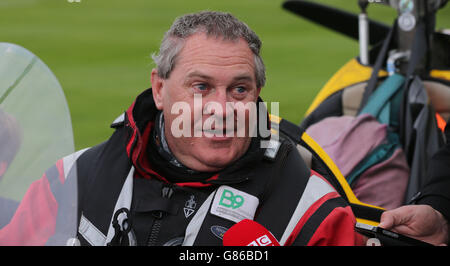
x=249, y=233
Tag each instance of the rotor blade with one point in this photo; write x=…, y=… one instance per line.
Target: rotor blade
x=336, y=19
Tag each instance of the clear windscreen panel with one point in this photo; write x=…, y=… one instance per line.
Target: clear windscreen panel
x=35, y=132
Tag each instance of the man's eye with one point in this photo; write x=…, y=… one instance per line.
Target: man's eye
x=201, y=87
x=240, y=89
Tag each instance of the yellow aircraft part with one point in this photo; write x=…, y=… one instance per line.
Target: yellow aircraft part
x=351, y=73
x=340, y=178
x=440, y=74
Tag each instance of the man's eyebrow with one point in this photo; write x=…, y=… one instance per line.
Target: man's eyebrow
x=243, y=78
x=197, y=74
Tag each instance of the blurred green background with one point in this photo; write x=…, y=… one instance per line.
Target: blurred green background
x=100, y=50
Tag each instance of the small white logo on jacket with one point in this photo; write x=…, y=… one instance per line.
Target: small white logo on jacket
x=189, y=206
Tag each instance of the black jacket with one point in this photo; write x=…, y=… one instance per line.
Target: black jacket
x=436, y=191
x=123, y=198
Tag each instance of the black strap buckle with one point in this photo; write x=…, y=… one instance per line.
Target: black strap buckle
x=121, y=230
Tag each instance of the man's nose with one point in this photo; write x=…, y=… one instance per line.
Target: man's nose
x=219, y=104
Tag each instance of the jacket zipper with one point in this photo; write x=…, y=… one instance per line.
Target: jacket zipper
x=156, y=227
x=166, y=192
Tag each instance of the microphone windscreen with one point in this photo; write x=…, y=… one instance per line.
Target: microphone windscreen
x=249, y=233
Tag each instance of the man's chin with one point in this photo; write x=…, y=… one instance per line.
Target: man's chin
x=214, y=163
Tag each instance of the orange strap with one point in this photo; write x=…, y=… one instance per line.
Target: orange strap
x=440, y=122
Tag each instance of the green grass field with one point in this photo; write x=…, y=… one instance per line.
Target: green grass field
x=100, y=50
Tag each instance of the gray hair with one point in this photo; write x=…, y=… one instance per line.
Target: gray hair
x=215, y=24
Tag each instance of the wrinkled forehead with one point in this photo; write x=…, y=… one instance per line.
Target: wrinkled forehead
x=217, y=45
x=200, y=49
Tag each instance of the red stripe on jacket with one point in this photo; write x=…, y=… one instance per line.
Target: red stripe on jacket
x=35, y=219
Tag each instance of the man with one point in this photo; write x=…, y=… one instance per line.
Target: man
x=170, y=176
x=428, y=219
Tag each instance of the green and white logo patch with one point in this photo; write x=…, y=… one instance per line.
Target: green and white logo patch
x=233, y=204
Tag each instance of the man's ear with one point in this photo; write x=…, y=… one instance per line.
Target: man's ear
x=157, y=89
x=258, y=91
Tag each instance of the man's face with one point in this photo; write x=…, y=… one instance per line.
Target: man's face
x=221, y=72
